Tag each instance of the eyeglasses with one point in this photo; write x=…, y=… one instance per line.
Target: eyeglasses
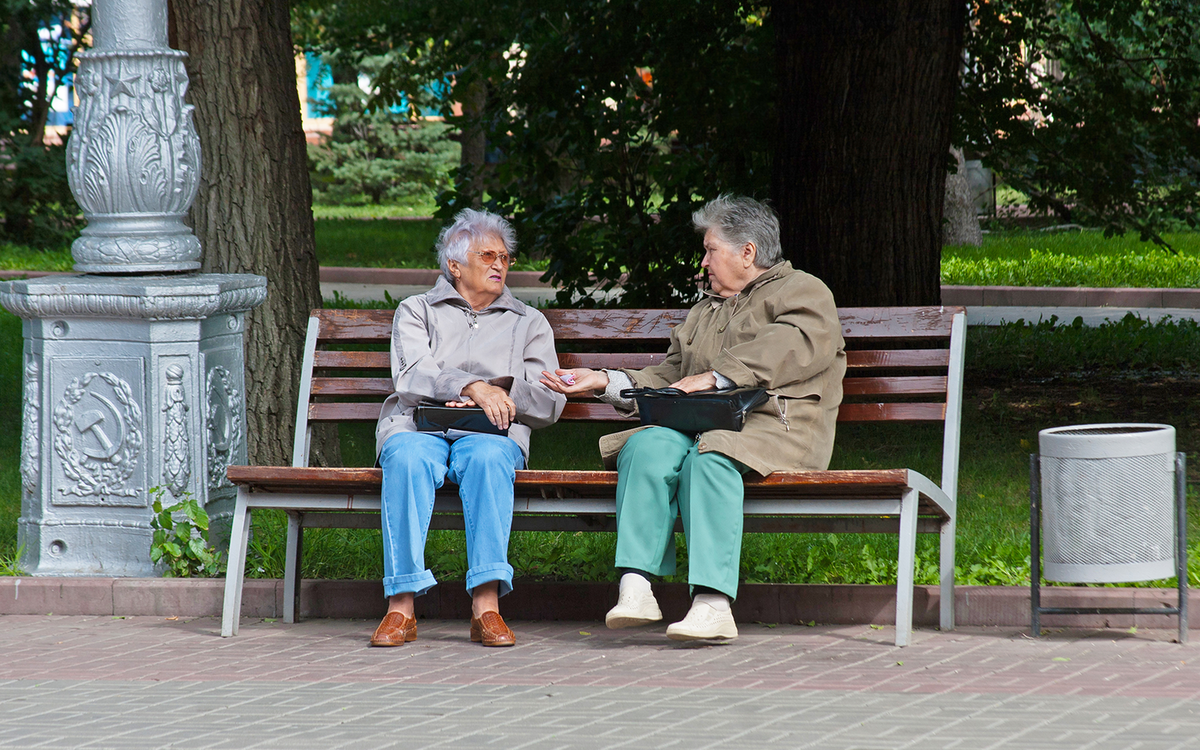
x=489, y=257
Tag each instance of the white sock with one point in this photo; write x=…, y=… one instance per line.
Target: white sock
x=635, y=583
x=719, y=602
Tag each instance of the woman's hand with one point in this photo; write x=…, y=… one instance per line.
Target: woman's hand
x=705, y=381
x=495, y=402
x=573, y=381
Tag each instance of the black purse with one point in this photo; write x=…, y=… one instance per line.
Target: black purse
x=439, y=418
x=697, y=412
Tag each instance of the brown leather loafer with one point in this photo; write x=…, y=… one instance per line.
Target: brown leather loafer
x=395, y=630
x=490, y=630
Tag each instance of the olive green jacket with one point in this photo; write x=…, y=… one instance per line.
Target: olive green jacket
x=781, y=333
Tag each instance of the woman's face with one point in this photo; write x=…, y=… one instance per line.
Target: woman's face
x=477, y=277
x=728, y=266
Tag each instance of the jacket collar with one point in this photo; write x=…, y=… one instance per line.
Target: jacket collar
x=781, y=268
x=444, y=291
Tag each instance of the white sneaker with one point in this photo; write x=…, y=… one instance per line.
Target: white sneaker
x=710, y=618
x=636, y=604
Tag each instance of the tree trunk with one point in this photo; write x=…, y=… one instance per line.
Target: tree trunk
x=253, y=213
x=865, y=104
x=474, y=142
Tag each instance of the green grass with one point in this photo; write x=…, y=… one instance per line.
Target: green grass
x=1019, y=380
x=21, y=258
x=379, y=237
x=1073, y=258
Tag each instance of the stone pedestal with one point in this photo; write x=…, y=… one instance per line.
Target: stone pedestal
x=129, y=384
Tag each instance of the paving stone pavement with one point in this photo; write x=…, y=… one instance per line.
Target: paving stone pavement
x=150, y=682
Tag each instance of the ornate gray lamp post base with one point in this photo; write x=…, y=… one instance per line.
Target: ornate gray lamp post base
x=130, y=384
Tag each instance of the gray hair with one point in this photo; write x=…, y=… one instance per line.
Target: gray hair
x=741, y=220
x=471, y=226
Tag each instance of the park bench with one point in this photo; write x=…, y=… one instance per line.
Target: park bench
x=904, y=364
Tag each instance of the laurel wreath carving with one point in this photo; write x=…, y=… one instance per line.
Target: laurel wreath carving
x=94, y=476
x=177, y=461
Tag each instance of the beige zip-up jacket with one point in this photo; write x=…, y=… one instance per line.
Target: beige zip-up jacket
x=440, y=345
x=781, y=333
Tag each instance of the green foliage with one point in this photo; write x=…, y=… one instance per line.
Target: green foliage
x=1089, y=107
x=180, y=544
x=377, y=155
x=36, y=207
x=607, y=122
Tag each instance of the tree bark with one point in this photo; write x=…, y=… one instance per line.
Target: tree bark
x=253, y=213
x=865, y=104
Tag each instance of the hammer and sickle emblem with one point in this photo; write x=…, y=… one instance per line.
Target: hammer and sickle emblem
x=92, y=421
x=221, y=424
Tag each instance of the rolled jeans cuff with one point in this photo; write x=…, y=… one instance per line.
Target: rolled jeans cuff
x=502, y=572
x=414, y=583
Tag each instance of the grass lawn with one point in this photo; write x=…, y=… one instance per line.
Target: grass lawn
x=358, y=236
x=1019, y=380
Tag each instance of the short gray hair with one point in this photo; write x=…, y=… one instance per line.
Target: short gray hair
x=471, y=226
x=740, y=220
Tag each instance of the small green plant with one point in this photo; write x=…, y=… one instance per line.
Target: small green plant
x=11, y=565
x=181, y=544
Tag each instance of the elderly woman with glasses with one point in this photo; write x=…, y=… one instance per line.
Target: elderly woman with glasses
x=466, y=342
x=761, y=324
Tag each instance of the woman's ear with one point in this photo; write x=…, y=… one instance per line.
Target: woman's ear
x=749, y=253
x=455, y=269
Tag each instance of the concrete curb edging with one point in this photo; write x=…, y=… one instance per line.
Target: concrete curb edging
x=757, y=602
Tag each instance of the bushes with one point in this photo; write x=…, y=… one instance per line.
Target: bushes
x=380, y=155
x=36, y=206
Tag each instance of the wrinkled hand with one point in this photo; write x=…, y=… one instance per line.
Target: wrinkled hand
x=705, y=381
x=495, y=402
x=573, y=381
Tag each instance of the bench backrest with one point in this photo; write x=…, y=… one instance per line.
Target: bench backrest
x=904, y=364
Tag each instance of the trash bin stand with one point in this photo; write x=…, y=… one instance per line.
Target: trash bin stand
x=1035, y=558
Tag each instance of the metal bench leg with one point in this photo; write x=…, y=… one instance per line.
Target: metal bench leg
x=239, y=537
x=291, y=566
x=907, y=569
x=946, y=576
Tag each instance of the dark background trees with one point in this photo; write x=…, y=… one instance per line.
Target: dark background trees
x=1090, y=107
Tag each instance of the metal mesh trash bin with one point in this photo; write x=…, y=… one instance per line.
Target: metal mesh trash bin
x=1111, y=510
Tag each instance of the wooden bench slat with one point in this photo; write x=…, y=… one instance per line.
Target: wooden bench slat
x=352, y=360
x=597, y=412
x=914, y=412
x=910, y=386
x=898, y=323
x=364, y=480
x=886, y=359
x=351, y=412
x=609, y=361
x=379, y=387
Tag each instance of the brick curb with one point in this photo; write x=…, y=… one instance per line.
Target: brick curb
x=771, y=603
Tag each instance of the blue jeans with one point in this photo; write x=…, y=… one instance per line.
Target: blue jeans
x=415, y=465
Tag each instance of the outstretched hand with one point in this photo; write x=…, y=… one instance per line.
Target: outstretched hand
x=577, y=380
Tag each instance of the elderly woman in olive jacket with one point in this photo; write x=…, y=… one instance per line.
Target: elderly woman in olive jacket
x=762, y=324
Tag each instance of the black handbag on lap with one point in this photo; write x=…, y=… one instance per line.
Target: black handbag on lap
x=697, y=412
x=439, y=418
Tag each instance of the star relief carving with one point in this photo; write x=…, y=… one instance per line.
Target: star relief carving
x=118, y=85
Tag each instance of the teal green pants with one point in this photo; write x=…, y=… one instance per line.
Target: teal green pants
x=661, y=474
